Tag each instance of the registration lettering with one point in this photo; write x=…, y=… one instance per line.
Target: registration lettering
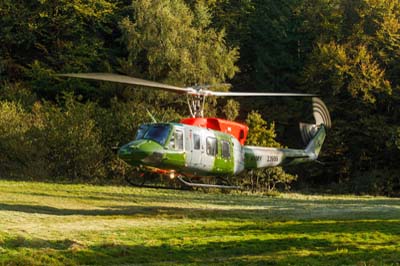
x=272, y=158
x=268, y=158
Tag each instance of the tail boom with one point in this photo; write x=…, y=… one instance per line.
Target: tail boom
x=312, y=134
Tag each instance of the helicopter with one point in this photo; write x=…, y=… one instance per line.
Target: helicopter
x=201, y=146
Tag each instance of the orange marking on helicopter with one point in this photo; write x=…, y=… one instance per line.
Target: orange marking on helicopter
x=239, y=131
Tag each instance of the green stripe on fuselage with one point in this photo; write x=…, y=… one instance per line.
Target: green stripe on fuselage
x=223, y=165
x=250, y=159
x=174, y=159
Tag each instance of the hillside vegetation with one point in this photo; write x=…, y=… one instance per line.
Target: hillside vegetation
x=347, y=52
x=61, y=224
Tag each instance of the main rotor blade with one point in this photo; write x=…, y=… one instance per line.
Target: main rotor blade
x=199, y=91
x=266, y=94
x=125, y=80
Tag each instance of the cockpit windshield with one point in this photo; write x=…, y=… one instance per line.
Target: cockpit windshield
x=158, y=133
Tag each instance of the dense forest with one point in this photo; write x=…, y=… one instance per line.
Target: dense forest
x=346, y=51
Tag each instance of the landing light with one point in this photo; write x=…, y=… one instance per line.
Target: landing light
x=172, y=175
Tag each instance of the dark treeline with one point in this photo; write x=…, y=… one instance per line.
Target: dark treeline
x=346, y=51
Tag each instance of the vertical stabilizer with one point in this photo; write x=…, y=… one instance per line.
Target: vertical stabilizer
x=313, y=135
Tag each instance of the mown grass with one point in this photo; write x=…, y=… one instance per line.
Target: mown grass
x=53, y=224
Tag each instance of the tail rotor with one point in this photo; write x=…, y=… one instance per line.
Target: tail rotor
x=321, y=113
x=321, y=116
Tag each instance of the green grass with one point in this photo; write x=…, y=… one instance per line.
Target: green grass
x=53, y=224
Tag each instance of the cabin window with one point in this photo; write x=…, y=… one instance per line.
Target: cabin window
x=179, y=139
x=211, y=146
x=196, y=141
x=225, y=149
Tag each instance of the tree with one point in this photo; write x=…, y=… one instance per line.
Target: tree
x=40, y=38
x=168, y=41
x=231, y=109
x=262, y=134
x=355, y=73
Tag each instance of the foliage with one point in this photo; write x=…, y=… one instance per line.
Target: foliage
x=378, y=182
x=14, y=146
x=50, y=142
x=41, y=38
x=70, y=139
x=231, y=109
x=355, y=72
x=260, y=133
x=18, y=93
x=347, y=70
x=54, y=33
x=397, y=141
x=268, y=179
x=171, y=42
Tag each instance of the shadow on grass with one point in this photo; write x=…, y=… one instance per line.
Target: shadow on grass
x=110, y=211
x=270, y=213
x=166, y=196
x=284, y=251
x=260, y=220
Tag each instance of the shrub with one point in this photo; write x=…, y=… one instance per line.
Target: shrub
x=377, y=182
x=14, y=145
x=69, y=139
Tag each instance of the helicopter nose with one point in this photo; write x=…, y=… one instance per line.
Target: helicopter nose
x=132, y=152
x=136, y=151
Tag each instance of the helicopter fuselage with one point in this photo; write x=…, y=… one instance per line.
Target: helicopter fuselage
x=198, y=151
x=184, y=149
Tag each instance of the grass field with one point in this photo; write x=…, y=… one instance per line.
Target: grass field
x=53, y=224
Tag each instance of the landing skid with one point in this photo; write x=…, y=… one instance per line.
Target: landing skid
x=140, y=180
x=201, y=185
x=180, y=182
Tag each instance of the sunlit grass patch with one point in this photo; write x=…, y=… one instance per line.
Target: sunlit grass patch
x=50, y=224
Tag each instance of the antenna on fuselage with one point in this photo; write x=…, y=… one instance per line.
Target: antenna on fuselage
x=151, y=116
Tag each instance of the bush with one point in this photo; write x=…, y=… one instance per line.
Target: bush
x=268, y=179
x=15, y=147
x=69, y=139
x=377, y=182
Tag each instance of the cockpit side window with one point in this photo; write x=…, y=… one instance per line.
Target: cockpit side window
x=158, y=133
x=172, y=142
x=141, y=131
